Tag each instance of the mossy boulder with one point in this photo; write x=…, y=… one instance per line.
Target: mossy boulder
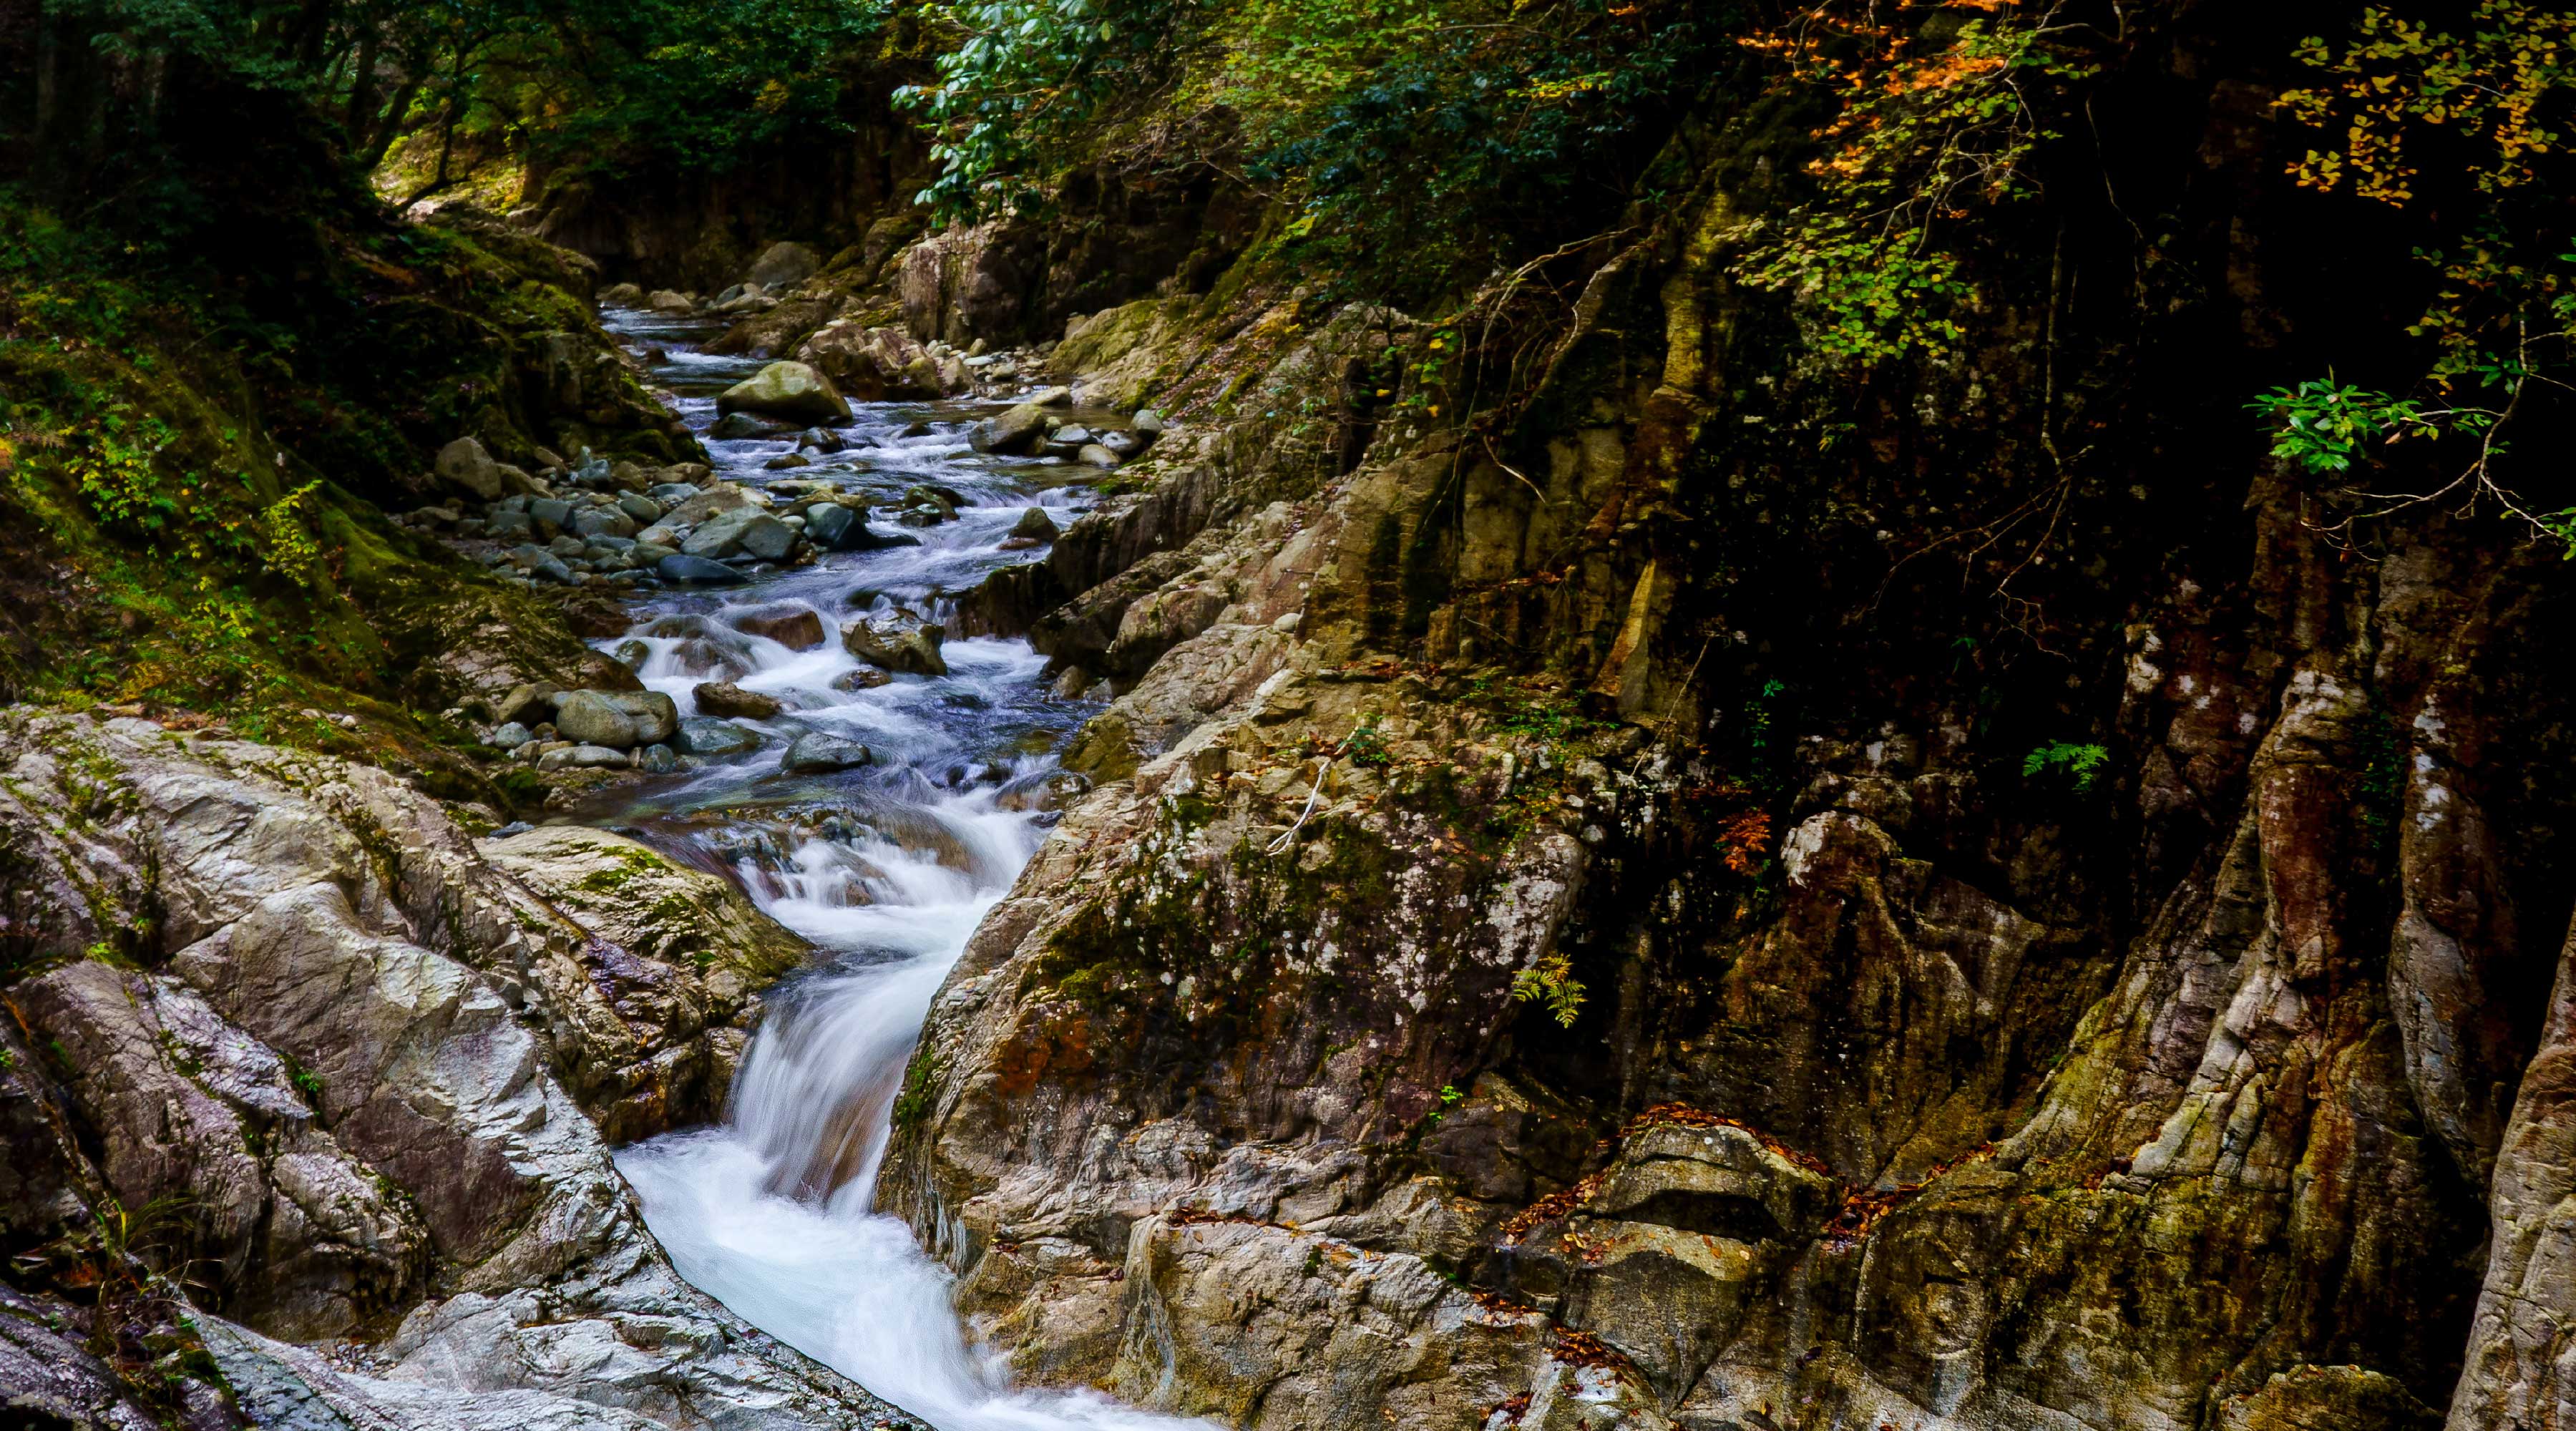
x=796, y=392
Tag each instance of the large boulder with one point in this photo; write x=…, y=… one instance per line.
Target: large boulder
x=783, y=265
x=798, y=628
x=1015, y=432
x=715, y=739
x=619, y=720
x=876, y=364
x=793, y=391
x=464, y=466
x=415, y=1036
x=186, y=1107
x=836, y=528
x=707, y=949
x=714, y=501
x=724, y=698
x=745, y=532
x=898, y=642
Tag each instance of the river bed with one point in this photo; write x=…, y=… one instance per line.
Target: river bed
x=886, y=869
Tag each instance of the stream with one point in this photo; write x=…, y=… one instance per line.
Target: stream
x=886, y=869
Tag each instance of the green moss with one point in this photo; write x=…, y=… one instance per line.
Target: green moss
x=630, y=865
x=920, y=1092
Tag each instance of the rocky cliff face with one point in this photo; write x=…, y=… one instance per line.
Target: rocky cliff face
x=275, y=1021
x=2044, y=935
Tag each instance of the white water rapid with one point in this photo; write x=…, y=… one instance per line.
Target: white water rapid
x=886, y=869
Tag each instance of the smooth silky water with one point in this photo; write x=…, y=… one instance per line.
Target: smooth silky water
x=887, y=869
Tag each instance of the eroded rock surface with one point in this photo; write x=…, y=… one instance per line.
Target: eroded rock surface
x=366, y=1054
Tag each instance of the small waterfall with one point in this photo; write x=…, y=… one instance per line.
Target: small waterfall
x=887, y=869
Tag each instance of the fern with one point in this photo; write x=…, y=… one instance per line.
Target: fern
x=2083, y=762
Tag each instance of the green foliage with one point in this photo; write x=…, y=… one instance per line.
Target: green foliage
x=1926, y=125
x=306, y=1081
x=1551, y=982
x=1420, y=139
x=2470, y=122
x=2324, y=425
x=1766, y=753
x=695, y=84
x=1026, y=79
x=1366, y=746
x=1430, y=142
x=2083, y=762
x=572, y=83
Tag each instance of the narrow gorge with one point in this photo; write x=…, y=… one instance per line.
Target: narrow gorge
x=998, y=715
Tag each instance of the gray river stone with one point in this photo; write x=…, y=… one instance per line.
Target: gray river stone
x=815, y=753
x=620, y=720
x=716, y=739
x=685, y=570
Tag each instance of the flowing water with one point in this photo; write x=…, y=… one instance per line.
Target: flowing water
x=886, y=869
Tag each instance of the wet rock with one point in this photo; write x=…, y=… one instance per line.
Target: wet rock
x=745, y=532
x=797, y=628
x=836, y=528
x=1016, y=432
x=816, y=753
x=308, y=903
x=876, y=364
x=788, y=390
x=666, y=300
x=685, y=951
x=465, y=466
x=724, y=698
x=621, y=295
x=1095, y=455
x=657, y=760
x=529, y=704
x=820, y=439
x=188, y=1106
x=713, y=502
x=1046, y=790
x=942, y=502
x=865, y=678
x=604, y=522
x=585, y=757
x=715, y=739
x=898, y=642
x=620, y=720
x=1034, y=525
x=685, y=570
x=787, y=463
x=738, y=426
